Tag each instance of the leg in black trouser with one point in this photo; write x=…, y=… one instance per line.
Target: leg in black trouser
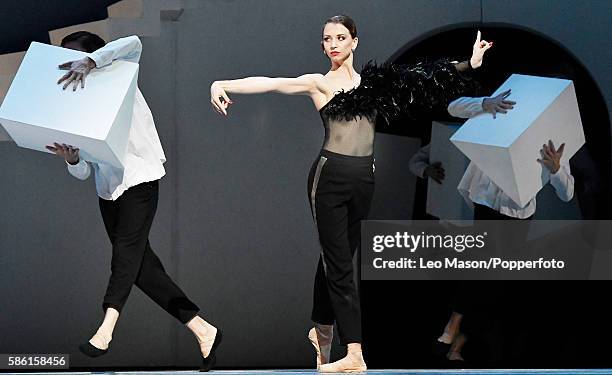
x=128, y=221
x=467, y=299
x=511, y=236
x=340, y=191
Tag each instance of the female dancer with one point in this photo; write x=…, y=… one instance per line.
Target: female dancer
x=341, y=181
x=128, y=201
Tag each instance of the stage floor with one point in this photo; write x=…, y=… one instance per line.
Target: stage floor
x=369, y=372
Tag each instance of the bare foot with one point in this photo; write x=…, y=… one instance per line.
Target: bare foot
x=454, y=354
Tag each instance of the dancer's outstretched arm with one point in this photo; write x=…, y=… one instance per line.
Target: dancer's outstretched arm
x=307, y=84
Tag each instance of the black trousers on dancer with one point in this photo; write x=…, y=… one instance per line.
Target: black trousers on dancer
x=340, y=189
x=467, y=299
x=482, y=212
x=128, y=222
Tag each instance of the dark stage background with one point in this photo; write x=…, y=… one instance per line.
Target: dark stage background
x=233, y=225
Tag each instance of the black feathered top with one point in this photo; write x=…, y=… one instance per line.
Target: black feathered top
x=392, y=90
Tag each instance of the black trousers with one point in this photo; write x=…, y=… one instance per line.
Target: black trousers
x=128, y=222
x=520, y=227
x=467, y=299
x=482, y=212
x=340, y=189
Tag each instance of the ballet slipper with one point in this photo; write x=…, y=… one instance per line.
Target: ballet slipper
x=209, y=338
x=209, y=361
x=97, y=346
x=209, y=345
x=353, y=362
x=322, y=347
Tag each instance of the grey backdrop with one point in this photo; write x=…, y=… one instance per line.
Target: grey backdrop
x=233, y=225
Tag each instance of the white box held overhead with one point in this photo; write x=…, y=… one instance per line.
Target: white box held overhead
x=37, y=112
x=507, y=148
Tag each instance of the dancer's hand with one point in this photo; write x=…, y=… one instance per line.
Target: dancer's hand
x=219, y=99
x=435, y=172
x=480, y=47
x=77, y=71
x=69, y=153
x=551, y=158
x=498, y=104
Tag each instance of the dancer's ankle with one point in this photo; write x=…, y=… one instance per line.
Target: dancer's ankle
x=325, y=333
x=324, y=328
x=451, y=329
x=200, y=328
x=103, y=336
x=101, y=339
x=353, y=348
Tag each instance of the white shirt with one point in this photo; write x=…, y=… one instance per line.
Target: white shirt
x=477, y=187
x=420, y=161
x=144, y=156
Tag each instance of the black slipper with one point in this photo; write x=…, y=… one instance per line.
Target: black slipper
x=209, y=362
x=91, y=351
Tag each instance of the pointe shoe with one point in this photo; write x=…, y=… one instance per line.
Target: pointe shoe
x=353, y=362
x=322, y=350
x=209, y=362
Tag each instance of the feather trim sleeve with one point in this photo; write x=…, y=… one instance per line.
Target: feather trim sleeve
x=415, y=90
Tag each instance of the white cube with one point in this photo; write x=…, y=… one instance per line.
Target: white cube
x=36, y=111
x=443, y=200
x=507, y=148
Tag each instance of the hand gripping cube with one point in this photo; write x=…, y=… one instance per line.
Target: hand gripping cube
x=507, y=148
x=36, y=111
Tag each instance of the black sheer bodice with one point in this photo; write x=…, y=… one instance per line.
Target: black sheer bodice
x=354, y=136
x=390, y=91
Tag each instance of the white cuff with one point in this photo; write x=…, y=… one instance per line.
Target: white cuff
x=80, y=170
